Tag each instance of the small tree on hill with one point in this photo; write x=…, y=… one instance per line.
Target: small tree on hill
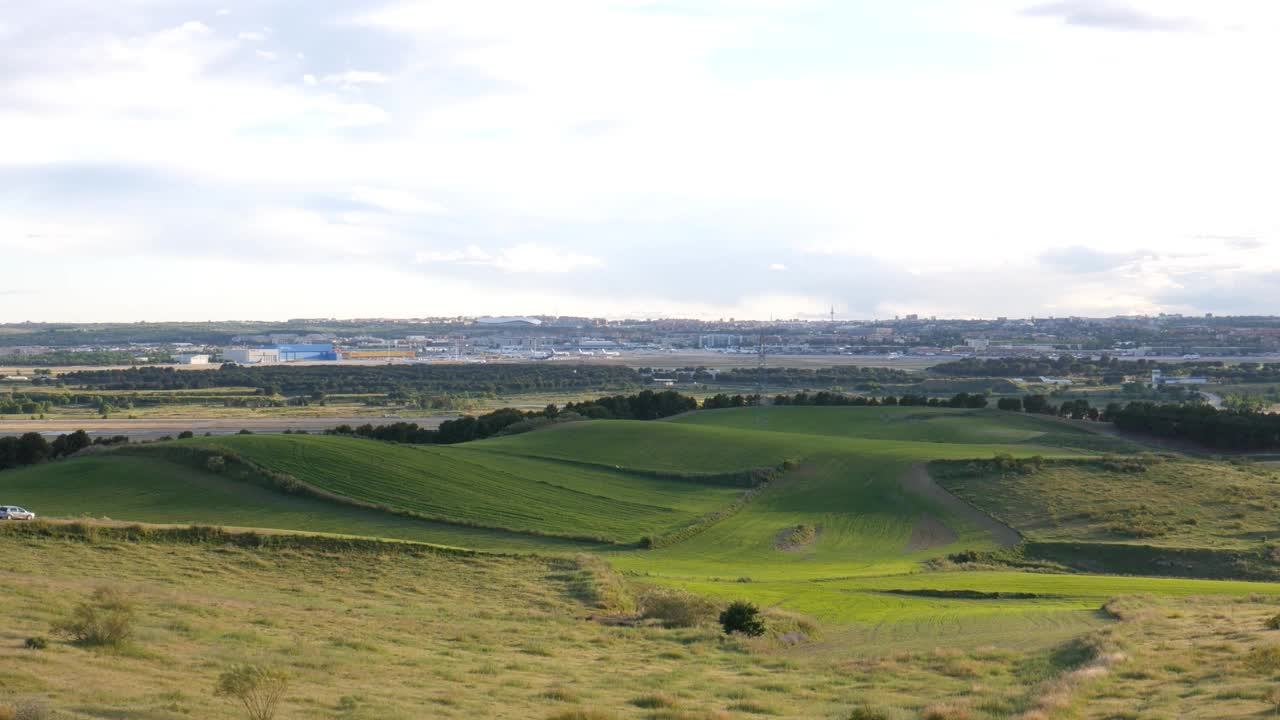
x=105, y=619
x=741, y=616
x=258, y=689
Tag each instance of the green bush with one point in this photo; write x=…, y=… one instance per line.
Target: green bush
x=742, y=617
x=866, y=712
x=105, y=619
x=38, y=642
x=257, y=688
x=1273, y=622
x=186, y=435
x=676, y=608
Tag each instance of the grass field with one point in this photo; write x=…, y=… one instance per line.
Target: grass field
x=1183, y=503
x=154, y=490
x=841, y=537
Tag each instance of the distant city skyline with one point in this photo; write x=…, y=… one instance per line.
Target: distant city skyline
x=194, y=160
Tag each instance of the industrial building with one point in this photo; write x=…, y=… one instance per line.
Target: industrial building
x=251, y=356
x=378, y=354
x=191, y=359
x=281, y=353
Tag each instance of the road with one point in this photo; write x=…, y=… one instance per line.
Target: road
x=154, y=428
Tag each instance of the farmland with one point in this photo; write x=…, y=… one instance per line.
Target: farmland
x=826, y=514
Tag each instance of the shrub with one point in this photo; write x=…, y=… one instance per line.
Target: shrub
x=39, y=642
x=676, y=608
x=244, y=431
x=186, y=435
x=654, y=701
x=105, y=619
x=866, y=712
x=258, y=689
x=1264, y=660
x=742, y=616
x=215, y=464
x=25, y=711
x=1273, y=622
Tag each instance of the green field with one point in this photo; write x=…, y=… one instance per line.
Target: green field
x=850, y=534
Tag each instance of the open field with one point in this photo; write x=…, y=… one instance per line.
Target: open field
x=848, y=532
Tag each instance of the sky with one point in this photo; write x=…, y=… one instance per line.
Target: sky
x=270, y=159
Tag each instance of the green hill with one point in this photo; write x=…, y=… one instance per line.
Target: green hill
x=460, y=485
x=156, y=490
x=853, y=505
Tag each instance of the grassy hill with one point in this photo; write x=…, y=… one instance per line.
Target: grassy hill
x=1159, y=502
x=921, y=424
x=852, y=535
x=156, y=490
x=460, y=485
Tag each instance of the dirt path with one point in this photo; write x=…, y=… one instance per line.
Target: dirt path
x=917, y=480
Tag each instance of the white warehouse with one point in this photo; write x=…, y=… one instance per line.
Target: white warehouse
x=251, y=356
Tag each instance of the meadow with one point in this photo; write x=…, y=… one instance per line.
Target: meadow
x=826, y=517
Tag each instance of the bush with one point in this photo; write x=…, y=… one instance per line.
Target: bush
x=1273, y=622
x=866, y=712
x=743, y=617
x=25, y=711
x=186, y=435
x=105, y=619
x=215, y=464
x=38, y=642
x=676, y=608
x=257, y=688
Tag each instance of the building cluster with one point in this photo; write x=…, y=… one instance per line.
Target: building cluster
x=559, y=338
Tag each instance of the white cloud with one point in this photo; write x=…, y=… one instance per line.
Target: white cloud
x=401, y=201
x=639, y=135
x=267, y=55
x=251, y=36
x=523, y=258
x=352, y=78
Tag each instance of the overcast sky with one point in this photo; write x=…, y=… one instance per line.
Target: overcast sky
x=179, y=159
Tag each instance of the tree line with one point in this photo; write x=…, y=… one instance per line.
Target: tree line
x=1111, y=369
x=644, y=405
x=1203, y=424
x=32, y=448
x=299, y=380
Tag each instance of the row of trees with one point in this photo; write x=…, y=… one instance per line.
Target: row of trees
x=32, y=448
x=823, y=397
x=304, y=380
x=1222, y=429
x=645, y=405
x=1110, y=369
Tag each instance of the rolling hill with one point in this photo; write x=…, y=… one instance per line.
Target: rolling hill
x=853, y=506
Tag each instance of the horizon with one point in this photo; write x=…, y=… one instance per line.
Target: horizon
x=638, y=159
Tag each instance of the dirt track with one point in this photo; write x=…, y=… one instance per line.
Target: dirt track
x=917, y=480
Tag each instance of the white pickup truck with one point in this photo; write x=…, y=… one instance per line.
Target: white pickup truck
x=13, y=512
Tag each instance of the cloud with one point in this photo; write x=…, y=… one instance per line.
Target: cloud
x=1110, y=15
x=267, y=55
x=355, y=78
x=777, y=267
x=251, y=36
x=400, y=201
x=524, y=258
x=1080, y=259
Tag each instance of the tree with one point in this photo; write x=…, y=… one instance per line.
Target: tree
x=32, y=448
x=742, y=616
x=1012, y=404
x=257, y=688
x=105, y=619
